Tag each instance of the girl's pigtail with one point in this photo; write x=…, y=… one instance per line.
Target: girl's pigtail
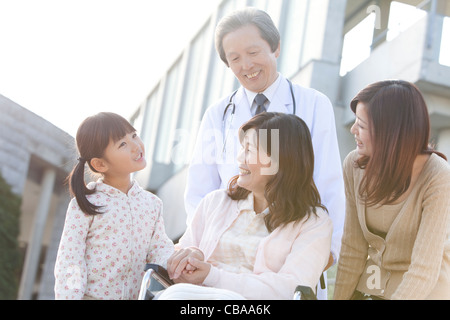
x=79, y=190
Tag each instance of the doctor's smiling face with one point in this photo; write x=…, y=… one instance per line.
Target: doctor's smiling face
x=251, y=58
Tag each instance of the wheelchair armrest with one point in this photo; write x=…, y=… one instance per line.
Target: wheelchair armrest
x=160, y=274
x=304, y=293
x=155, y=278
x=144, y=293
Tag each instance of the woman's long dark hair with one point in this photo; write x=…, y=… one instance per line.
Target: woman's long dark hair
x=291, y=192
x=400, y=131
x=93, y=136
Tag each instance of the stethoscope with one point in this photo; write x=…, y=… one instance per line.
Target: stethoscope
x=233, y=111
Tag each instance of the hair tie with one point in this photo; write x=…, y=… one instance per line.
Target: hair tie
x=81, y=159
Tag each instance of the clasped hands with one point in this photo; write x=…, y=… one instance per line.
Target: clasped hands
x=186, y=265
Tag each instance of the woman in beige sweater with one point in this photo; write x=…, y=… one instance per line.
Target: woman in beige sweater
x=396, y=241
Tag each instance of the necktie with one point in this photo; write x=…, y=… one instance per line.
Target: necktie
x=260, y=99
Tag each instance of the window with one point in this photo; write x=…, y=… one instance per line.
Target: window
x=402, y=17
x=220, y=78
x=137, y=120
x=293, y=37
x=444, y=57
x=167, y=120
x=273, y=8
x=191, y=104
x=148, y=134
x=357, y=44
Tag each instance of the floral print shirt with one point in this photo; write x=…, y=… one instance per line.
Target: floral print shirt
x=103, y=256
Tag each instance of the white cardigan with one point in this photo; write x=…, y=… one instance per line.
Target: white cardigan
x=295, y=254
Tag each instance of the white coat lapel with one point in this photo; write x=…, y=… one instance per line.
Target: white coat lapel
x=282, y=99
x=243, y=112
x=242, y=115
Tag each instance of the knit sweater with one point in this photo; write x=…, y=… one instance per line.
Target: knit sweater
x=413, y=260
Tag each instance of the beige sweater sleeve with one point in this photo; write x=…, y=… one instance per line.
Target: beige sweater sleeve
x=427, y=255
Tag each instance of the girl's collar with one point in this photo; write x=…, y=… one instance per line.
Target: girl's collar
x=114, y=192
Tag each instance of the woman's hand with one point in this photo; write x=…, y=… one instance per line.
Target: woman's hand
x=178, y=263
x=198, y=275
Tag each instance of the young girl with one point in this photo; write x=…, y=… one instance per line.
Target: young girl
x=113, y=227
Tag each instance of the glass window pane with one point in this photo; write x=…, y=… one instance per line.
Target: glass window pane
x=293, y=37
x=191, y=104
x=401, y=17
x=148, y=133
x=444, y=58
x=164, y=145
x=357, y=44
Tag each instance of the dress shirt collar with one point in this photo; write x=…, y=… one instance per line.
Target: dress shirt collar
x=269, y=93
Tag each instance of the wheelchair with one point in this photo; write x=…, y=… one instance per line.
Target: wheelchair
x=156, y=279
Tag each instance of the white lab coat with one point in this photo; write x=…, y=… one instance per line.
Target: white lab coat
x=210, y=169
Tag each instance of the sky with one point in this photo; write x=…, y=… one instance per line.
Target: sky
x=68, y=59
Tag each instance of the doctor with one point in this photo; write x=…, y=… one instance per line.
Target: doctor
x=249, y=44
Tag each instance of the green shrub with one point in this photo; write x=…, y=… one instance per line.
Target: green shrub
x=9, y=248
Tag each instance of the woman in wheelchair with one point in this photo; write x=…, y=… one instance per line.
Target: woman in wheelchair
x=268, y=232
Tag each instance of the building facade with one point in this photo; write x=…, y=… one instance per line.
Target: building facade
x=35, y=158
x=335, y=46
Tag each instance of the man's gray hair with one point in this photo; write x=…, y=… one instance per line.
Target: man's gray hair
x=243, y=17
